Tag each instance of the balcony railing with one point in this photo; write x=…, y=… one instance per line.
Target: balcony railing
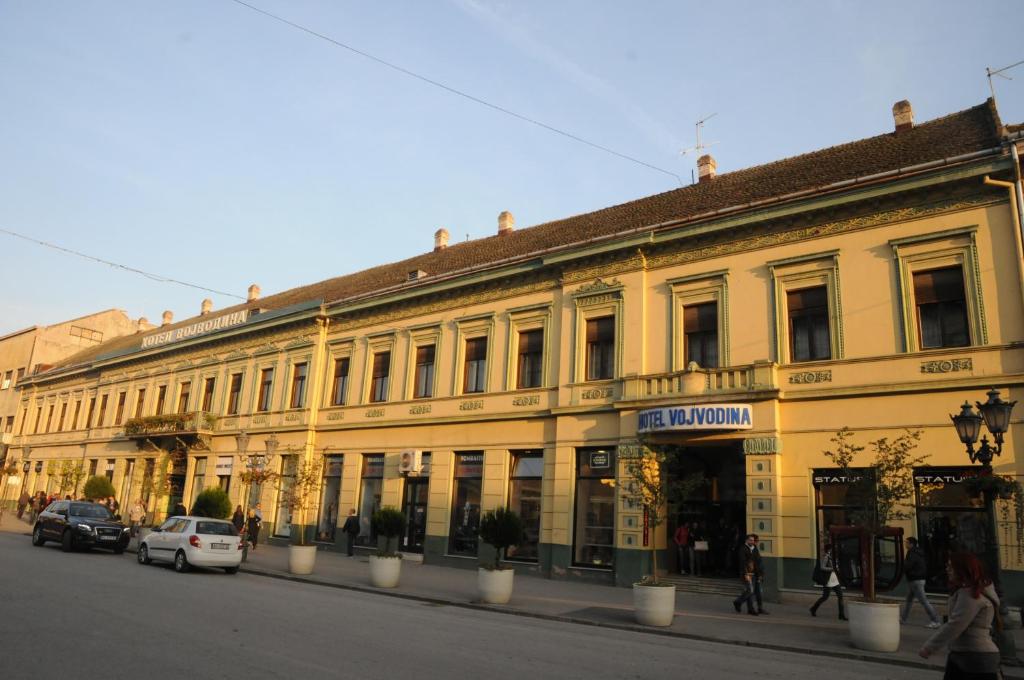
x=755, y=377
x=170, y=424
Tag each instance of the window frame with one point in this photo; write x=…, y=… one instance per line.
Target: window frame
x=232, y=398
x=378, y=344
x=799, y=273
x=698, y=289
x=297, y=392
x=525, y=320
x=265, y=389
x=474, y=327
x=594, y=301
x=419, y=338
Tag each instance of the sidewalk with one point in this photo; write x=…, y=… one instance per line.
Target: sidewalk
x=788, y=627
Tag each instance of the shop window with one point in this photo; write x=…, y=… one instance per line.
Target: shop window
x=265, y=393
x=941, y=308
x=524, y=498
x=119, y=411
x=283, y=519
x=161, y=399
x=63, y=413
x=234, y=394
x=140, y=402
x=594, y=512
x=950, y=517
x=808, y=324
x=369, y=497
x=474, y=377
x=109, y=469
x=298, y=396
x=379, y=376
x=209, y=385
x=93, y=464
x=184, y=392
x=700, y=330
x=340, y=387
x=530, y=363
x=424, y=375
x=198, y=477
x=601, y=348
x=465, y=520
x=327, y=522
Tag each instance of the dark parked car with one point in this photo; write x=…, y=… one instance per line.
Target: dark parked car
x=80, y=524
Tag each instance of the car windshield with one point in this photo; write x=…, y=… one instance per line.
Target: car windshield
x=90, y=510
x=216, y=528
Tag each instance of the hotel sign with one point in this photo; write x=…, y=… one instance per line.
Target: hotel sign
x=688, y=418
x=197, y=328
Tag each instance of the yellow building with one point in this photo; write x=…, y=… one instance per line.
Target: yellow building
x=875, y=285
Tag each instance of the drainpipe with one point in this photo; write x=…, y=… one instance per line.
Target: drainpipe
x=1015, y=207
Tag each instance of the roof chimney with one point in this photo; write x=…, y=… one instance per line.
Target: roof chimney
x=205, y=308
x=254, y=293
x=706, y=168
x=143, y=324
x=168, y=318
x=903, y=115
x=440, y=239
x=506, y=223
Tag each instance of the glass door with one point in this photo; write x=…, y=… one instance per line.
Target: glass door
x=414, y=506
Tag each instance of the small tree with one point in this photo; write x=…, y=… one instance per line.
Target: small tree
x=301, y=495
x=879, y=497
x=501, y=528
x=69, y=475
x=213, y=502
x=97, y=487
x=389, y=523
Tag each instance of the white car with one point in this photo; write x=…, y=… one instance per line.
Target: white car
x=193, y=541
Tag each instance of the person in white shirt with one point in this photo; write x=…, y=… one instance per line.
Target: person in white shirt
x=831, y=584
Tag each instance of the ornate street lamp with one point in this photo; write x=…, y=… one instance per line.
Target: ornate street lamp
x=272, y=443
x=242, y=443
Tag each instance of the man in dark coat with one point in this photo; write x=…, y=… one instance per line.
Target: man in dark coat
x=751, y=568
x=351, y=529
x=915, y=568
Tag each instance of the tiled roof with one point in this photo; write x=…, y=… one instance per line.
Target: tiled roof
x=972, y=130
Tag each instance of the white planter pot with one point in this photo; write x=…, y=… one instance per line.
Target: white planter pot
x=875, y=626
x=384, y=571
x=654, y=605
x=301, y=558
x=495, y=585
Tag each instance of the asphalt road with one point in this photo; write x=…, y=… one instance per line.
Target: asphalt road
x=97, y=615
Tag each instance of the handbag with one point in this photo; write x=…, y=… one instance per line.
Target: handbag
x=819, y=576
x=700, y=545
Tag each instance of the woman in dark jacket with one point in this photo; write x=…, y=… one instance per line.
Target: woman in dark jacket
x=238, y=519
x=253, y=528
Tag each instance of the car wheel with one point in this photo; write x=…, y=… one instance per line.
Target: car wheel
x=143, y=555
x=180, y=562
x=231, y=570
x=37, y=536
x=67, y=542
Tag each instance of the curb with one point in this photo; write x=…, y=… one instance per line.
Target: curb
x=853, y=656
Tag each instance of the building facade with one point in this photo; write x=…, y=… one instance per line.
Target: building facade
x=743, y=320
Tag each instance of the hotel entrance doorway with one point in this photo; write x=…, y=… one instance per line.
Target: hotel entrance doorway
x=712, y=506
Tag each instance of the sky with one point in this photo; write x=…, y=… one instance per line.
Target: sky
x=202, y=141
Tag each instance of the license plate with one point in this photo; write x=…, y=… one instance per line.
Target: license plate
x=219, y=546
x=108, y=538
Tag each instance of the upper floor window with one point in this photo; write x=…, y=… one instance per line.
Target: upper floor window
x=92, y=410
x=184, y=392
x=161, y=398
x=266, y=382
x=530, y=363
x=379, y=376
x=208, y=386
x=21, y=374
x=601, y=348
x=39, y=417
x=119, y=412
x=49, y=418
x=74, y=418
x=140, y=402
x=474, y=378
x=340, y=386
x=63, y=413
x=9, y=424
x=941, y=308
x=7, y=380
x=298, y=397
x=424, y=372
x=809, y=338
x=103, y=411
x=234, y=394
x=700, y=328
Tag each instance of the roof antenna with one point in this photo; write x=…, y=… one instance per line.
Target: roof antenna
x=998, y=72
x=700, y=147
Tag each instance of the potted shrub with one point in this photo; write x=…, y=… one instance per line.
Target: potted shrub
x=875, y=498
x=300, y=497
x=501, y=528
x=386, y=564
x=98, y=487
x=213, y=502
x=654, y=602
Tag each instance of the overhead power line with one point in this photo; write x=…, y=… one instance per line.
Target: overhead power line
x=148, y=275
x=460, y=93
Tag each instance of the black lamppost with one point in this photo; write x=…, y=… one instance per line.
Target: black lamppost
x=995, y=413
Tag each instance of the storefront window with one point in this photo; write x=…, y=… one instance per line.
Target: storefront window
x=369, y=497
x=465, y=523
x=594, y=535
x=283, y=523
x=524, y=493
x=949, y=518
x=327, y=523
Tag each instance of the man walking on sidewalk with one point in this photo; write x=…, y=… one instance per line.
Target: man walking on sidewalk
x=915, y=567
x=351, y=529
x=751, y=572
x=136, y=515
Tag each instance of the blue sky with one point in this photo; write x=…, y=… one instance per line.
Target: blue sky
x=205, y=142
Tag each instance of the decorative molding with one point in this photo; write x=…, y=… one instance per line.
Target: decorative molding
x=598, y=286
x=266, y=349
x=473, y=405
x=810, y=377
x=304, y=341
x=596, y=393
x=624, y=263
x=260, y=420
x=761, y=446
x=336, y=416
x=236, y=354
x=292, y=417
x=947, y=366
x=419, y=409
x=531, y=400
x=374, y=413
